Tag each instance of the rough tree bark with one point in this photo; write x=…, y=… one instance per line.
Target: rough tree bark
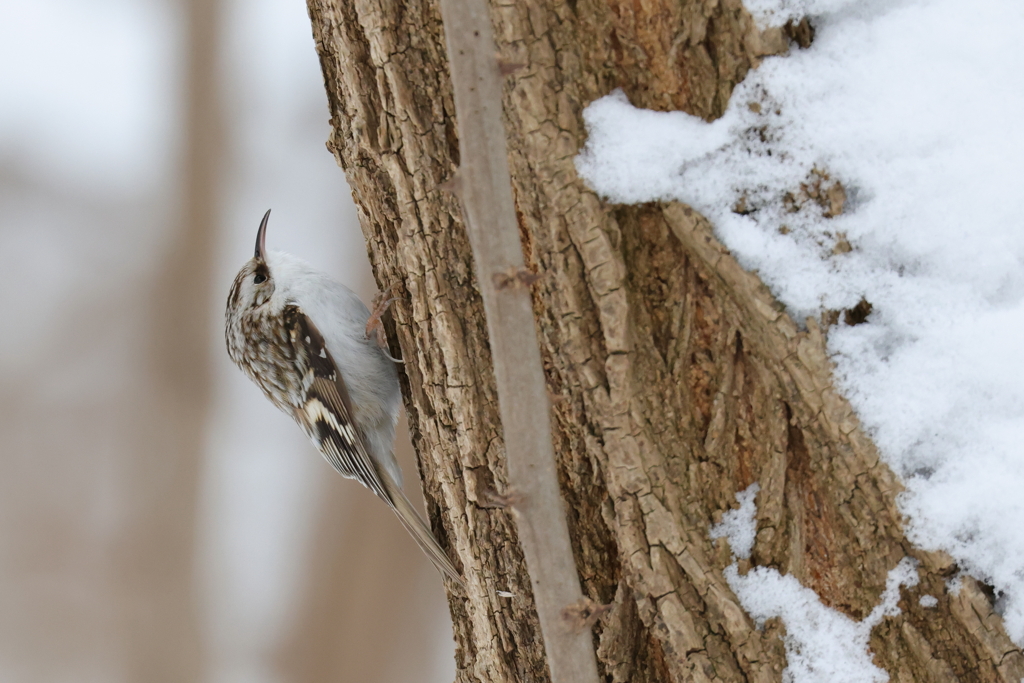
x=678, y=379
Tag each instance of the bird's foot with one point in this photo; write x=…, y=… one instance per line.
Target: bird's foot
x=375, y=324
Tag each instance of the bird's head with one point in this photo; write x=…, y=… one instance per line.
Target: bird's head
x=254, y=284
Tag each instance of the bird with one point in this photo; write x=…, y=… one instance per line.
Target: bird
x=303, y=339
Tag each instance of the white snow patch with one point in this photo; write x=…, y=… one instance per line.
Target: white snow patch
x=911, y=106
x=928, y=601
x=623, y=156
x=822, y=645
x=778, y=12
x=739, y=526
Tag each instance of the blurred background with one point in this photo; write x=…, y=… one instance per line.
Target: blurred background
x=159, y=519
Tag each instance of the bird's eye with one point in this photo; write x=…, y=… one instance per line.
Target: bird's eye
x=259, y=279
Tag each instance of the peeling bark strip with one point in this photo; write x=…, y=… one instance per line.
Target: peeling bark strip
x=485, y=190
x=678, y=379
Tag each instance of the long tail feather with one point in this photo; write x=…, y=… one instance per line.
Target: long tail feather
x=419, y=530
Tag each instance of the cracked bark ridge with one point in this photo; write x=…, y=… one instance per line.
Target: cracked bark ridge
x=677, y=379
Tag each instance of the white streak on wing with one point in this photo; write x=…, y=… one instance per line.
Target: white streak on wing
x=348, y=458
x=317, y=412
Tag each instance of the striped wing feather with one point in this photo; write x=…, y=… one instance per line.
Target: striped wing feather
x=326, y=410
x=326, y=415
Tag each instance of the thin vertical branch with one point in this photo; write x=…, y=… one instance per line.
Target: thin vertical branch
x=484, y=188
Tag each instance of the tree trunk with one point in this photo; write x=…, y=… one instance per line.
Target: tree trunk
x=159, y=620
x=677, y=379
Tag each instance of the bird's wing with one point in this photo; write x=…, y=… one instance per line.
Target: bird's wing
x=325, y=410
x=326, y=415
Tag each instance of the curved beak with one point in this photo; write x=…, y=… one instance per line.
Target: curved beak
x=261, y=236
